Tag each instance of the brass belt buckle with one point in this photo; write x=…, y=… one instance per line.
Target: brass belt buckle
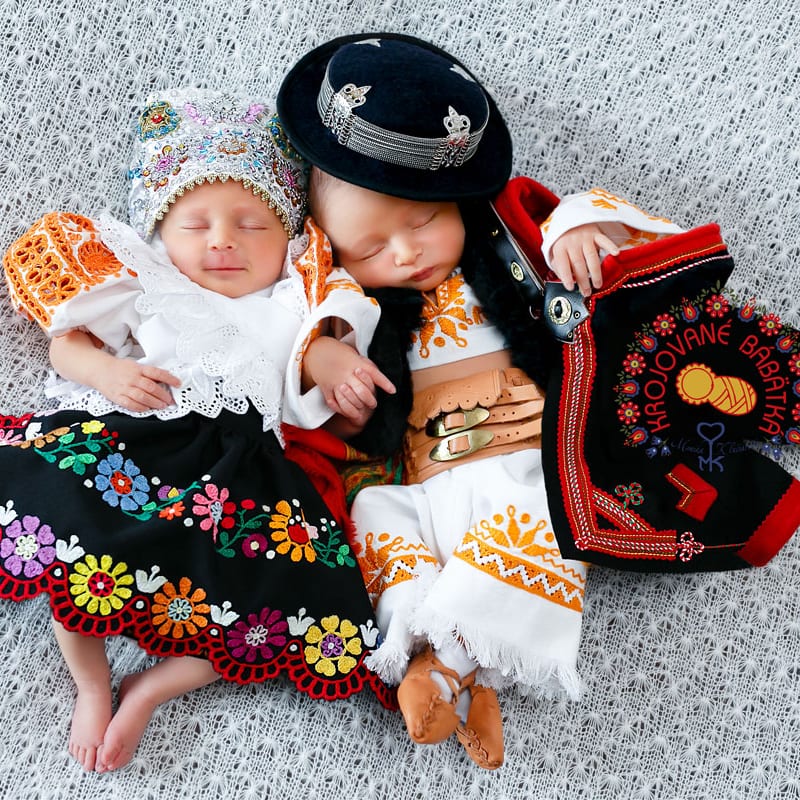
x=472, y=417
x=476, y=439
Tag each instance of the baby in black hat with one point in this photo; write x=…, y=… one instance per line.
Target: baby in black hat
x=461, y=563
x=470, y=588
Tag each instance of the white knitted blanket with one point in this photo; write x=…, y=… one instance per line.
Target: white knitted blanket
x=688, y=108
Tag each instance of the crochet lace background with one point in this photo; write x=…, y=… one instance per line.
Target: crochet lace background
x=690, y=109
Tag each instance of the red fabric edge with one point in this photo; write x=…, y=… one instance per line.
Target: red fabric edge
x=654, y=256
x=776, y=529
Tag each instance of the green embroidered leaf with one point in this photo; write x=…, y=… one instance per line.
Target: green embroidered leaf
x=67, y=438
x=151, y=506
x=66, y=462
x=227, y=552
x=87, y=458
x=93, y=447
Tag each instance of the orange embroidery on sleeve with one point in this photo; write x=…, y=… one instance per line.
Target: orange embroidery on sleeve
x=604, y=199
x=58, y=257
x=315, y=263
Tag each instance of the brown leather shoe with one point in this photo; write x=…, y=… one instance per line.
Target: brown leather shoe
x=429, y=717
x=482, y=734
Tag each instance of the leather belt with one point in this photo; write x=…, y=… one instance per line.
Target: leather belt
x=563, y=310
x=486, y=414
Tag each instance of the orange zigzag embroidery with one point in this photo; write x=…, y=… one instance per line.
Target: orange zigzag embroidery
x=387, y=562
x=518, y=556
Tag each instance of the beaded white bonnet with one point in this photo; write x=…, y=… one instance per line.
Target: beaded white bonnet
x=184, y=137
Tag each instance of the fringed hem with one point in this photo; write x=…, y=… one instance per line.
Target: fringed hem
x=502, y=664
x=400, y=642
x=389, y=662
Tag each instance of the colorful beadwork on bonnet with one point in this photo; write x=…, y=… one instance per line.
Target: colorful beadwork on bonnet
x=185, y=137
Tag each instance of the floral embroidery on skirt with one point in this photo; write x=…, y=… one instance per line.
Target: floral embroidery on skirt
x=195, y=536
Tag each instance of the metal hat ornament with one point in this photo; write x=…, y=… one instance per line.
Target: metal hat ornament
x=397, y=115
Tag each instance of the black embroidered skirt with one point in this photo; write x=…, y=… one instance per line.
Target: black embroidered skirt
x=194, y=536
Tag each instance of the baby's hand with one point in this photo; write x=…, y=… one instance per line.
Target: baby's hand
x=135, y=386
x=576, y=257
x=347, y=380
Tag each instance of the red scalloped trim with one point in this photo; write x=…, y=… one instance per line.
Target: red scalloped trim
x=132, y=620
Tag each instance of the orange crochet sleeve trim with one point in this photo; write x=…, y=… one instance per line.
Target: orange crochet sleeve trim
x=315, y=264
x=60, y=256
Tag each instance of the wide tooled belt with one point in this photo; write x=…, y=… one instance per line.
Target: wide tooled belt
x=485, y=414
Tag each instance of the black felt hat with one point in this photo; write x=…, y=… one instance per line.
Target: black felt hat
x=397, y=115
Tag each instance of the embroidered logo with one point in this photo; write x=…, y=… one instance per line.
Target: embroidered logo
x=704, y=362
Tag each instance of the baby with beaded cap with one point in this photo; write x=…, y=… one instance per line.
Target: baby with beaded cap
x=157, y=501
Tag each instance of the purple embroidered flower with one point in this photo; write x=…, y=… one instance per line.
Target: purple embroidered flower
x=331, y=646
x=121, y=483
x=256, y=636
x=27, y=547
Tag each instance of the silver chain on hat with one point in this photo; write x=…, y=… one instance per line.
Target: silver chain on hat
x=336, y=110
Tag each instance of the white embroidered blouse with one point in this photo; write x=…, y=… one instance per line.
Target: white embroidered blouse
x=227, y=352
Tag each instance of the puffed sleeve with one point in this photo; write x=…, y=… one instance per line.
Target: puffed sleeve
x=331, y=294
x=62, y=276
x=623, y=223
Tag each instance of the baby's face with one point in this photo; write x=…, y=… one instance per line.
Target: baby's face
x=225, y=238
x=385, y=241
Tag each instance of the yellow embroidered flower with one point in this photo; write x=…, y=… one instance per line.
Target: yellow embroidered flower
x=181, y=610
x=332, y=647
x=293, y=533
x=100, y=587
x=92, y=426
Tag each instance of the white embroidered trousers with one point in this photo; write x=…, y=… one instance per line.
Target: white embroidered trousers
x=469, y=554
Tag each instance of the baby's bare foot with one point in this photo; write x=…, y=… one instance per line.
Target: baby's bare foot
x=124, y=732
x=90, y=718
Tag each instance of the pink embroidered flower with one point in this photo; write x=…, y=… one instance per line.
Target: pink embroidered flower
x=215, y=506
x=794, y=363
x=9, y=436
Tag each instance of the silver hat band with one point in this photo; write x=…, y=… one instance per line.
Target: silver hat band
x=336, y=112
